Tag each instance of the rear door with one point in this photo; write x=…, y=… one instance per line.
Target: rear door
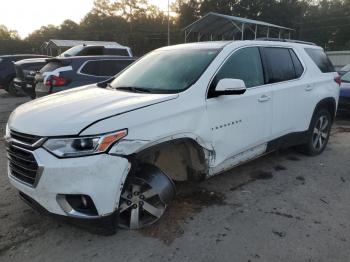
x=284, y=70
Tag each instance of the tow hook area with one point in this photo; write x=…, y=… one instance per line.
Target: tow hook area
x=103, y=225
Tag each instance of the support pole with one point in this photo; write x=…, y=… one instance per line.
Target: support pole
x=256, y=31
x=268, y=32
x=242, y=31
x=185, y=36
x=289, y=35
x=168, y=22
x=279, y=34
x=199, y=37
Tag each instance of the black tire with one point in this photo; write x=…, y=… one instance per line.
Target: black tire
x=318, y=134
x=12, y=90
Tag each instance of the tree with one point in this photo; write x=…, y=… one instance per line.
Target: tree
x=6, y=34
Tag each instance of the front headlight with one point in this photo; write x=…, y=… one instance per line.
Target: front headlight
x=83, y=146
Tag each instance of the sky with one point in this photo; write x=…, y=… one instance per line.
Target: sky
x=25, y=16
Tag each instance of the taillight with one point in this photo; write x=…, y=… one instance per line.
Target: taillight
x=337, y=79
x=56, y=81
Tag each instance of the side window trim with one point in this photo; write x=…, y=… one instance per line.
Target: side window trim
x=264, y=64
x=291, y=50
x=224, y=62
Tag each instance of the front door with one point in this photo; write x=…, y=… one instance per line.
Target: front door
x=240, y=124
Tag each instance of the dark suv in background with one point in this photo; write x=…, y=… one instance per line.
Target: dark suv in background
x=61, y=74
x=90, y=50
x=26, y=70
x=7, y=70
x=25, y=73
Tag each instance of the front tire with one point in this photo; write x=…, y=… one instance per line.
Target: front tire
x=319, y=132
x=145, y=197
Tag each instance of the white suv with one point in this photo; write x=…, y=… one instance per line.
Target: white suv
x=187, y=112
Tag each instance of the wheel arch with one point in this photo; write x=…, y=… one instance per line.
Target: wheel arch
x=328, y=103
x=181, y=159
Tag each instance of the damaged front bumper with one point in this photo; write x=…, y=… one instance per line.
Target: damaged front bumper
x=98, y=178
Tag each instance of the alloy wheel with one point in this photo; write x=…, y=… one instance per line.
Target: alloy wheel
x=320, y=133
x=144, y=199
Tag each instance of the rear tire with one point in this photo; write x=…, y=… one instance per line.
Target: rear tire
x=318, y=134
x=13, y=91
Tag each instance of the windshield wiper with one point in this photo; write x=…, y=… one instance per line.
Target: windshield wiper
x=133, y=89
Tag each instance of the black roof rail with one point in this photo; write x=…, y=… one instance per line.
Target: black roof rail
x=285, y=40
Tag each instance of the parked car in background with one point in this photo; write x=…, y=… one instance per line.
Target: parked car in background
x=25, y=73
x=94, y=50
x=185, y=112
x=26, y=70
x=344, y=99
x=344, y=70
x=7, y=70
x=65, y=73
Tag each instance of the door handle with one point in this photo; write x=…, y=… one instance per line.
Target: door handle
x=264, y=98
x=309, y=87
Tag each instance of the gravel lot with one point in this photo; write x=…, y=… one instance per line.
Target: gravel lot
x=283, y=207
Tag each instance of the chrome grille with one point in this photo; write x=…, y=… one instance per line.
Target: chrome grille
x=24, y=138
x=22, y=164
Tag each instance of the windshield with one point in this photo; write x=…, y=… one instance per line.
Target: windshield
x=72, y=51
x=165, y=71
x=346, y=78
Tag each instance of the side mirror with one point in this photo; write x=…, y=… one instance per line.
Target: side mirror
x=230, y=86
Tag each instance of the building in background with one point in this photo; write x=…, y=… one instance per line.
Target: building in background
x=339, y=58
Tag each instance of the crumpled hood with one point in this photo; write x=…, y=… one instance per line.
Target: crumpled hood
x=67, y=113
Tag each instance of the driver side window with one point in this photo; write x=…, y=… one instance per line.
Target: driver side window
x=245, y=64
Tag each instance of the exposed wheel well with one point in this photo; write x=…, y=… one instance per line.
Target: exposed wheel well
x=329, y=104
x=181, y=159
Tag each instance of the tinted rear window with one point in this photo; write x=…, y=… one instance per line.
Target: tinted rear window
x=320, y=59
x=115, y=51
x=51, y=66
x=91, y=51
x=105, y=67
x=280, y=64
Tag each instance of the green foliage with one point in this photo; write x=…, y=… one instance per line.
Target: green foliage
x=143, y=27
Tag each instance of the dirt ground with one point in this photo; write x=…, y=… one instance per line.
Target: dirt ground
x=282, y=207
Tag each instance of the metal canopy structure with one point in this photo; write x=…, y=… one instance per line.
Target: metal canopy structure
x=56, y=46
x=223, y=27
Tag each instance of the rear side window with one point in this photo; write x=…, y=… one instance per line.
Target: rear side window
x=104, y=67
x=51, y=66
x=116, y=51
x=91, y=51
x=245, y=64
x=320, y=59
x=280, y=64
